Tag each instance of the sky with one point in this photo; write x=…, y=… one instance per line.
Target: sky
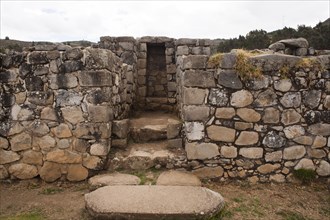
x=88, y=20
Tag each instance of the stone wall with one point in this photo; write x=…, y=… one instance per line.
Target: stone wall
x=262, y=128
x=57, y=106
x=63, y=108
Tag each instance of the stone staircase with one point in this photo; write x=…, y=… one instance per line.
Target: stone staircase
x=154, y=141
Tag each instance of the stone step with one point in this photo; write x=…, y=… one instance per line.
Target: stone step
x=153, y=202
x=153, y=126
x=142, y=156
x=112, y=179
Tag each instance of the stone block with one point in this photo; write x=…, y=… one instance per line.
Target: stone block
x=4, y=144
x=173, y=128
x=195, y=62
x=50, y=171
x=72, y=114
x=243, y=126
x=271, y=116
x=273, y=140
x=218, y=97
x=258, y=83
x=251, y=152
x=305, y=164
x=266, y=98
x=175, y=143
x=201, y=151
x=23, y=171
x=194, y=96
x=268, y=168
x=228, y=151
x=8, y=156
x=319, y=142
x=290, y=116
x=229, y=79
x=8, y=76
x=209, y=172
x=228, y=61
x=247, y=138
x=45, y=143
x=294, y=152
x=275, y=156
x=323, y=169
x=312, y=98
x=182, y=50
x=304, y=140
x=99, y=149
x=63, y=157
x=198, y=78
x=119, y=143
x=32, y=157
x=62, y=81
x=220, y=133
x=294, y=131
x=196, y=113
x=37, y=57
x=100, y=113
x=194, y=130
x=95, y=78
x=291, y=99
x=225, y=113
x=76, y=172
x=283, y=85
x=41, y=98
x=68, y=98
x=241, y=98
x=62, y=131
x=120, y=128
x=19, y=142
x=248, y=115
x=92, y=162
x=72, y=66
x=38, y=128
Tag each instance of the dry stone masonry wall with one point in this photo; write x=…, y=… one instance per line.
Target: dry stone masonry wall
x=63, y=108
x=57, y=108
x=261, y=128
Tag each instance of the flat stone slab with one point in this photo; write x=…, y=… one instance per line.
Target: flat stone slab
x=153, y=202
x=113, y=179
x=177, y=178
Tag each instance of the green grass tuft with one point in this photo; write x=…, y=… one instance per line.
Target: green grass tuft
x=306, y=176
x=51, y=191
x=31, y=215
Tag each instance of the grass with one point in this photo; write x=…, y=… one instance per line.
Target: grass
x=31, y=215
x=245, y=69
x=290, y=215
x=309, y=63
x=306, y=176
x=51, y=191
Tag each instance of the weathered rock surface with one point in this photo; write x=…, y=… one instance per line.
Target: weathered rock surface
x=201, y=151
x=273, y=140
x=229, y=79
x=150, y=202
x=208, y=172
x=23, y=171
x=220, y=133
x=113, y=179
x=177, y=178
x=251, y=152
x=294, y=152
x=241, y=98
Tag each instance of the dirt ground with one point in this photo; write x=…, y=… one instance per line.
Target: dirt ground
x=35, y=199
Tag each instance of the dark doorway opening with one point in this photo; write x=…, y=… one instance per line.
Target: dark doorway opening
x=156, y=70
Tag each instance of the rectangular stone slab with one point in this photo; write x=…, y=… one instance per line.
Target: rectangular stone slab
x=153, y=202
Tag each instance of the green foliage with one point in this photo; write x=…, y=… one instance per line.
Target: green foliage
x=305, y=175
x=290, y=215
x=51, y=191
x=318, y=37
x=31, y=215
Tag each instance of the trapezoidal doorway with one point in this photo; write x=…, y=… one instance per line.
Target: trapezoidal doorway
x=156, y=70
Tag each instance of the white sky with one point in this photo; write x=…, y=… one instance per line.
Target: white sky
x=88, y=20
